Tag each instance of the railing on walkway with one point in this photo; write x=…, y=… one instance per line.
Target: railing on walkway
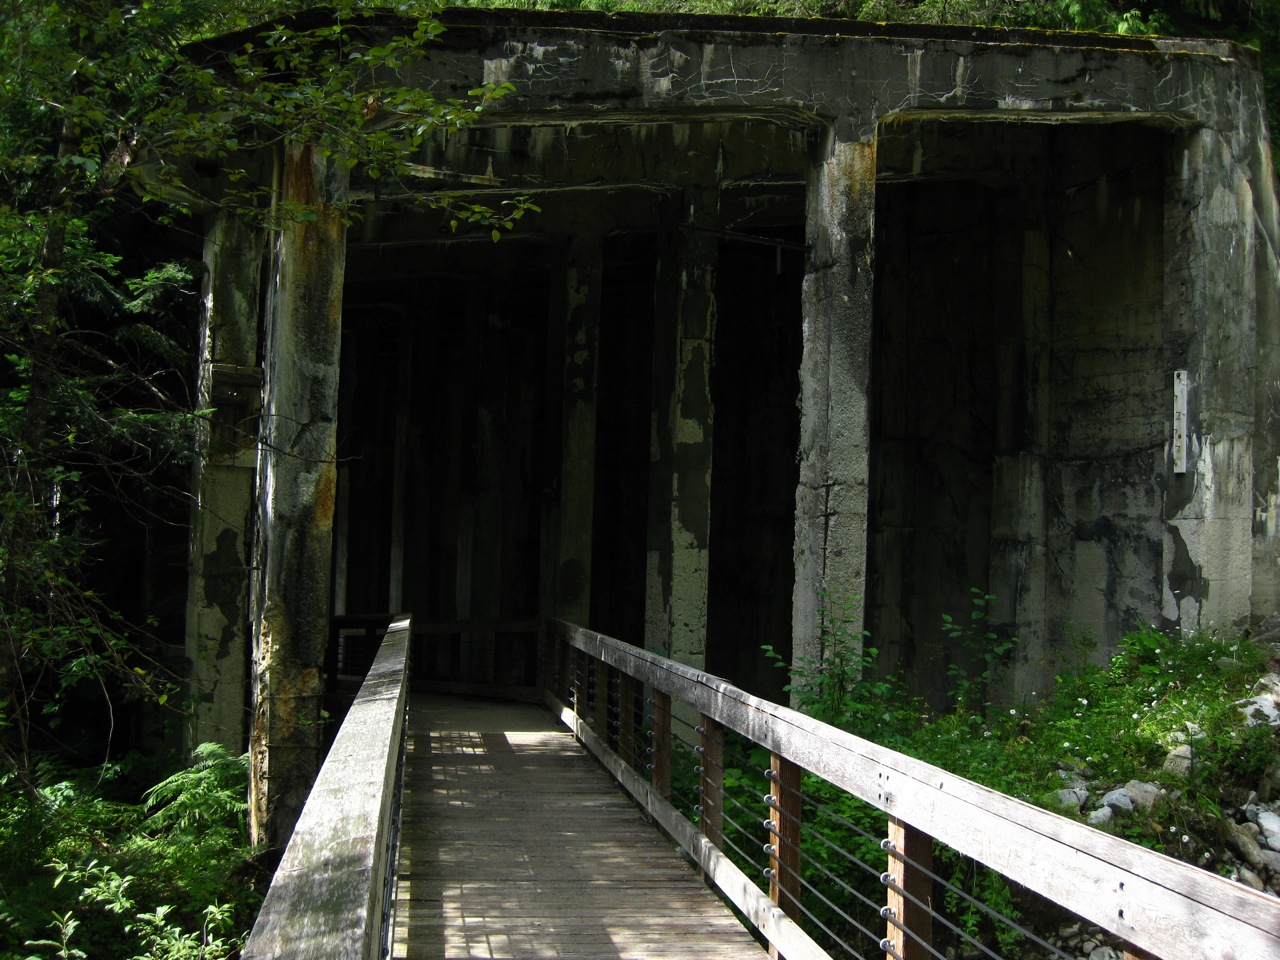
x=477, y=656
x=630, y=707
x=332, y=894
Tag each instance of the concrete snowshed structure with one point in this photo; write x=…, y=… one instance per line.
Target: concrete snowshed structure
x=812, y=307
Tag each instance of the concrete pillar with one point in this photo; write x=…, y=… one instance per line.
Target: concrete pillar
x=230, y=384
x=400, y=469
x=578, y=461
x=835, y=371
x=1019, y=511
x=1266, y=454
x=680, y=479
x=1211, y=323
x=296, y=486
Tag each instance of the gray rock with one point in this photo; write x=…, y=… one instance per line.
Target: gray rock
x=1272, y=860
x=1072, y=779
x=1144, y=795
x=1270, y=824
x=1250, y=879
x=1268, y=685
x=1103, y=815
x=1103, y=953
x=1241, y=840
x=1268, y=624
x=1267, y=785
x=1178, y=762
x=1073, y=798
x=1259, y=711
x=1119, y=801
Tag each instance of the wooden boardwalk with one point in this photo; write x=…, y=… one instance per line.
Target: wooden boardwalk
x=517, y=845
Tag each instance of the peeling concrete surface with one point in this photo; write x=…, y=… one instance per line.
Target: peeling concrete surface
x=229, y=382
x=1010, y=243
x=297, y=474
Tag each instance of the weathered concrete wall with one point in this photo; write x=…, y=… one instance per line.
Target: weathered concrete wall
x=1065, y=472
x=848, y=74
x=1112, y=549
x=230, y=384
x=1111, y=385
x=297, y=472
x=831, y=500
x=1146, y=242
x=1207, y=565
x=581, y=347
x=1266, y=451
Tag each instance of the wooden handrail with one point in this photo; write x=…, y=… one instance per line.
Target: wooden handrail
x=1160, y=905
x=327, y=900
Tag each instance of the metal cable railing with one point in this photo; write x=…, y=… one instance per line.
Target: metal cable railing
x=869, y=852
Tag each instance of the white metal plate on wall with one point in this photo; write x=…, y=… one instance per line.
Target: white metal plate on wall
x=1179, y=421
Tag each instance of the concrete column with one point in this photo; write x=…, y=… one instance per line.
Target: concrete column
x=1211, y=324
x=578, y=462
x=1266, y=453
x=680, y=481
x=1019, y=515
x=400, y=479
x=296, y=486
x=835, y=370
x=230, y=383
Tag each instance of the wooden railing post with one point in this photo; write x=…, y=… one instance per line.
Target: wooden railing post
x=784, y=846
x=910, y=898
x=662, y=744
x=711, y=780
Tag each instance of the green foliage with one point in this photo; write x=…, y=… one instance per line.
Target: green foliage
x=975, y=641
x=110, y=117
x=1111, y=723
x=839, y=686
x=82, y=875
x=1091, y=15
x=206, y=797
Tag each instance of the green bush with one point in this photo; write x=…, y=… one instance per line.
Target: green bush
x=1110, y=723
x=163, y=879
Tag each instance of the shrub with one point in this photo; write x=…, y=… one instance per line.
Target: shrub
x=166, y=878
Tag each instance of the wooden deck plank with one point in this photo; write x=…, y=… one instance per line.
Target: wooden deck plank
x=516, y=846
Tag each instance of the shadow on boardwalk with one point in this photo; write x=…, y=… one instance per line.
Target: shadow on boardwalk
x=517, y=845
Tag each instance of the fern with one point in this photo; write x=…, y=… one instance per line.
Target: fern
x=207, y=796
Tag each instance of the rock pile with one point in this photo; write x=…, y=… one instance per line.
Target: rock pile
x=1250, y=849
